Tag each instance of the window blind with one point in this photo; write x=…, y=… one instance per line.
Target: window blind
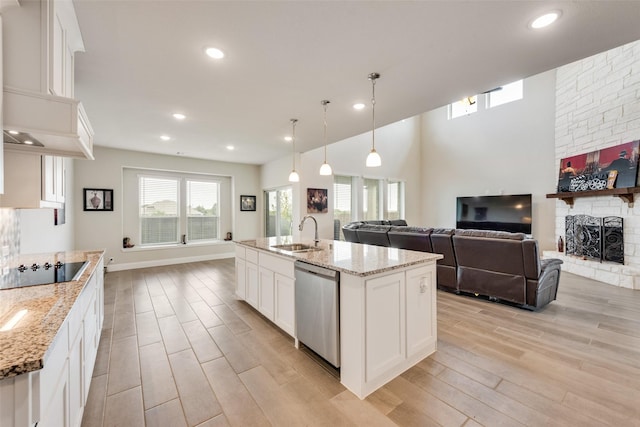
x=158, y=210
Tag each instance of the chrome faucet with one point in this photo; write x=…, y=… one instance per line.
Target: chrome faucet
x=315, y=239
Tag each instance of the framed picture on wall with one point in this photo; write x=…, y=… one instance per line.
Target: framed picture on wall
x=247, y=203
x=317, y=200
x=97, y=199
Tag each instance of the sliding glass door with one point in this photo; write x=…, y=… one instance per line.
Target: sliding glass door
x=278, y=212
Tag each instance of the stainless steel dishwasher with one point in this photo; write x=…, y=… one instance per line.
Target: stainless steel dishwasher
x=318, y=310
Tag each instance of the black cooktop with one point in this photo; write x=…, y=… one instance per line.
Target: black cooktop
x=47, y=274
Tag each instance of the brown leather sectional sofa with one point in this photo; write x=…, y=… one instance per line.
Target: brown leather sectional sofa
x=499, y=265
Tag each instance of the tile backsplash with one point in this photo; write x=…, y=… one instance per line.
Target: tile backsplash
x=9, y=244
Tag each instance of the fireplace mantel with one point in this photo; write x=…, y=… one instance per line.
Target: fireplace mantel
x=626, y=194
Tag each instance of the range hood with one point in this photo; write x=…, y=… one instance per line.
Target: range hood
x=56, y=125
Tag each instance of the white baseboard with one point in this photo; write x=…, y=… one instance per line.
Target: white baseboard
x=172, y=261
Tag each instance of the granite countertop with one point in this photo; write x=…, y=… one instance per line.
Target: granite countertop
x=24, y=347
x=351, y=258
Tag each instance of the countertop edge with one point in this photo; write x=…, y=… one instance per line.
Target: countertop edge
x=40, y=354
x=432, y=257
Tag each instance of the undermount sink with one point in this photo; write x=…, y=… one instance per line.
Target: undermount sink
x=296, y=247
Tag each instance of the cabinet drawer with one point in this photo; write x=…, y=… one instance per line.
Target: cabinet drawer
x=276, y=264
x=240, y=252
x=252, y=256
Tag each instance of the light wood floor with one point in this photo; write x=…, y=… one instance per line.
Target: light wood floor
x=178, y=349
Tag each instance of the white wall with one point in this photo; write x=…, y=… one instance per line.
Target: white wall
x=597, y=107
x=38, y=234
x=507, y=149
x=104, y=229
x=399, y=147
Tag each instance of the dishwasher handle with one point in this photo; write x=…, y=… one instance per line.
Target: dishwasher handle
x=315, y=269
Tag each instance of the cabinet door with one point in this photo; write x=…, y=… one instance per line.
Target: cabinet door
x=384, y=324
x=57, y=61
x=241, y=276
x=266, y=293
x=91, y=340
x=53, y=179
x=57, y=413
x=285, y=315
x=252, y=284
x=76, y=381
x=421, y=323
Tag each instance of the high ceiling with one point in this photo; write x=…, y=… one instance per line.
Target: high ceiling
x=145, y=60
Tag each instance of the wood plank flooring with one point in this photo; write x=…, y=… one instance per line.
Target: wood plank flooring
x=178, y=349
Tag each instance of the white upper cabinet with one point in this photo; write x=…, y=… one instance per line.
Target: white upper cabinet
x=40, y=42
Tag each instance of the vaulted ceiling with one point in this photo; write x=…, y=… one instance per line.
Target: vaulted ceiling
x=145, y=60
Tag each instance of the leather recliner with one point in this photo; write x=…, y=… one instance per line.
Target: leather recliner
x=506, y=266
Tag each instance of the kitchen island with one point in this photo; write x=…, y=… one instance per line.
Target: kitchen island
x=387, y=300
x=49, y=336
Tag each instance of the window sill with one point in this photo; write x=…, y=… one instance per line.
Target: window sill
x=176, y=246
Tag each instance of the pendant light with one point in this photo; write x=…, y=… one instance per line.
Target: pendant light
x=373, y=159
x=325, y=169
x=293, y=176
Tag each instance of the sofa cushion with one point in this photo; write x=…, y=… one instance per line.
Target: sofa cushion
x=373, y=234
x=349, y=231
x=491, y=234
x=412, y=238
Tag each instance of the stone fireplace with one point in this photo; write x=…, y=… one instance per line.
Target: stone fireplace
x=597, y=107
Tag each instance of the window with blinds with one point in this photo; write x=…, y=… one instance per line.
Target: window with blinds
x=203, y=199
x=395, y=200
x=342, y=196
x=175, y=205
x=158, y=210
x=371, y=209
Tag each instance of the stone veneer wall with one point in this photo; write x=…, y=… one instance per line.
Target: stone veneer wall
x=598, y=106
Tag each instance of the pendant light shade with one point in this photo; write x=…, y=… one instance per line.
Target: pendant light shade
x=293, y=176
x=325, y=169
x=373, y=159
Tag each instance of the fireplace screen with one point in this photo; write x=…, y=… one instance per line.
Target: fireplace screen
x=595, y=238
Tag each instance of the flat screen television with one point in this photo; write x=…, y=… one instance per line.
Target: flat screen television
x=502, y=213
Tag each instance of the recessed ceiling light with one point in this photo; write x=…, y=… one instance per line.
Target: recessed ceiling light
x=214, y=53
x=28, y=142
x=545, y=20
x=358, y=106
x=230, y=147
x=288, y=138
x=165, y=137
x=14, y=132
x=179, y=116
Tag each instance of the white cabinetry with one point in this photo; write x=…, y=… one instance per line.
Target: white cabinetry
x=266, y=292
x=387, y=325
x=33, y=181
x=41, y=38
x=57, y=394
x=252, y=277
x=53, y=179
x=268, y=285
x=420, y=297
x=285, y=314
x=384, y=323
x=241, y=272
